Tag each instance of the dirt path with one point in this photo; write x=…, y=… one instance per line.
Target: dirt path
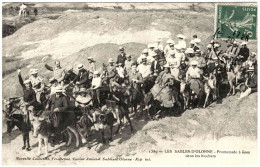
x=231, y=125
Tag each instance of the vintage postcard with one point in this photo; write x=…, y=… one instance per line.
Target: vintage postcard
x=129, y=83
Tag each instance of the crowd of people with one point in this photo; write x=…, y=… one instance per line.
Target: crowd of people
x=177, y=62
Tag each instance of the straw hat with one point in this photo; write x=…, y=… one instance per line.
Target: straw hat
x=80, y=66
x=33, y=71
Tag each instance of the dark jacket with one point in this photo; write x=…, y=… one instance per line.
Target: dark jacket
x=29, y=95
x=83, y=79
x=58, y=102
x=252, y=81
x=121, y=59
x=244, y=52
x=157, y=67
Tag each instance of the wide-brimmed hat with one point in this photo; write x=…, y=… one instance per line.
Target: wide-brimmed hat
x=110, y=60
x=216, y=45
x=58, y=90
x=121, y=48
x=192, y=42
x=197, y=40
x=83, y=90
x=27, y=81
x=80, y=66
x=189, y=51
x=198, y=51
x=194, y=63
x=145, y=51
x=209, y=46
x=51, y=80
x=96, y=72
x=170, y=41
x=33, y=71
x=250, y=69
x=253, y=54
x=150, y=46
x=180, y=36
x=90, y=58
x=167, y=65
x=244, y=43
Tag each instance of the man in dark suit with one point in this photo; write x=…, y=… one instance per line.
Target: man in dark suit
x=82, y=79
x=252, y=80
x=121, y=58
x=243, y=53
x=155, y=66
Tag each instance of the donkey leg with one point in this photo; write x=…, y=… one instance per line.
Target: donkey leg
x=70, y=138
x=103, y=136
x=74, y=131
x=119, y=125
x=39, y=146
x=129, y=120
x=206, y=100
x=46, y=146
x=24, y=141
x=111, y=132
x=28, y=142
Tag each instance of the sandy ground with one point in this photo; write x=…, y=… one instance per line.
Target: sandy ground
x=229, y=126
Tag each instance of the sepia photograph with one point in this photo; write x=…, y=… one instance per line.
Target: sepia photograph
x=129, y=83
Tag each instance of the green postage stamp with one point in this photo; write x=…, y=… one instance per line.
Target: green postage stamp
x=236, y=22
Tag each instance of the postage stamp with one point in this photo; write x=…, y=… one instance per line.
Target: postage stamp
x=236, y=22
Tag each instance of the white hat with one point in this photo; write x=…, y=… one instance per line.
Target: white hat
x=193, y=63
x=180, y=36
x=80, y=66
x=150, y=46
x=197, y=40
x=253, y=53
x=58, y=89
x=171, y=44
x=33, y=71
x=198, y=51
x=215, y=58
x=52, y=79
x=250, y=69
x=235, y=42
x=158, y=40
x=110, y=60
x=145, y=51
x=192, y=42
x=212, y=41
x=216, y=45
x=121, y=48
x=171, y=52
x=96, y=72
x=90, y=58
x=128, y=55
x=244, y=43
x=166, y=65
x=189, y=50
x=27, y=81
x=143, y=57
x=154, y=54
x=170, y=41
x=178, y=47
x=209, y=46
